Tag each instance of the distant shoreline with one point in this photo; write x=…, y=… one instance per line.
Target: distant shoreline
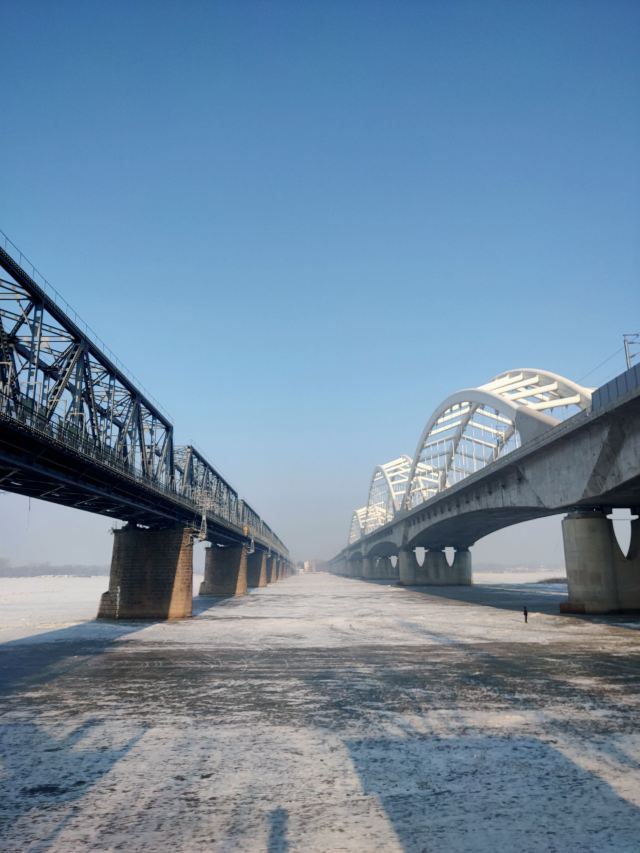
x=46, y=571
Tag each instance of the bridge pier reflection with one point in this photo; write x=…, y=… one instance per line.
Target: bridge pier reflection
x=151, y=574
x=600, y=578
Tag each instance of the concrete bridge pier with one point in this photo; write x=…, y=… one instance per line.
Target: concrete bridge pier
x=151, y=574
x=407, y=566
x=369, y=568
x=434, y=570
x=257, y=569
x=384, y=569
x=601, y=579
x=225, y=571
x=388, y=571
x=343, y=567
x=460, y=572
x=356, y=567
x=272, y=569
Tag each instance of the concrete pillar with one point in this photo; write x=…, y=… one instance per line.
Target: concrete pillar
x=368, y=568
x=257, y=569
x=600, y=578
x=151, y=574
x=461, y=568
x=272, y=569
x=225, y=571
x=357, y=570
x=407, y=566
x=432, y=570
x=386, y=570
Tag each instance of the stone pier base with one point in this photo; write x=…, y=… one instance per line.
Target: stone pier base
x=151, y=574
x=257, y=569
x=599, y=576
x=225, y=571
x=272, y=569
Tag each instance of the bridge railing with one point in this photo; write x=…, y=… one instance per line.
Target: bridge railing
x=58, y=430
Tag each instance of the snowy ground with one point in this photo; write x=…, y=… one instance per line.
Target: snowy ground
x=319, y=714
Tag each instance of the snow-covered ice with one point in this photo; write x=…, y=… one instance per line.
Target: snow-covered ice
x=319, y=714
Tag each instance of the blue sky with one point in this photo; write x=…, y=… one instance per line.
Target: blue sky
x=302, y=225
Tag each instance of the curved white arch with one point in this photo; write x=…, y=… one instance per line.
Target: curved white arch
x=475, y=426
x=386, y=492
x=358, y=519
x=539, y=389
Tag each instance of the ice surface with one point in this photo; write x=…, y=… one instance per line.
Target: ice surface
x=318, y=714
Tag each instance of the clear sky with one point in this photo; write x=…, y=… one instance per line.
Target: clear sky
x=302, y=225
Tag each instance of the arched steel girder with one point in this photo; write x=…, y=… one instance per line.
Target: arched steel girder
x=539, y=389
x=358, y=521
x=475, y=426
x=386, y=491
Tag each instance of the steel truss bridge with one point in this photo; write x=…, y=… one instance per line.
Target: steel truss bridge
x=76, y=428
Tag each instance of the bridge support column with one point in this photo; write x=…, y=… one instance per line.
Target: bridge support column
x=461, y=569
x=368, y=568
x=257, y=569
x=600, y=578
x=407, y=566
x=225, y=571
x=151, y=574
x=433, y=571
x=388, y=571
x=271, y=569
x=357, y=570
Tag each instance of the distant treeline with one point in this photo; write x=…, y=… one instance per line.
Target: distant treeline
x=33, y=570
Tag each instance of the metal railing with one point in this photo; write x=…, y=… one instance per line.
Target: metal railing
x=59, y=431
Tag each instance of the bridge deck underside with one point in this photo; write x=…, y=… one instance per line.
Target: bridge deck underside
x=32, y=466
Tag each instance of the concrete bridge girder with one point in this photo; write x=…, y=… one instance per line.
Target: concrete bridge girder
x=597, y=465
x=590, y=462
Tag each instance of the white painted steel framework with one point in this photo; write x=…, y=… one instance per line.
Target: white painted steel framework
x=386, y=492
x=467, y=431
x=358, y=520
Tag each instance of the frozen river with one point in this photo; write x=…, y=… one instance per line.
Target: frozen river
x=319, y=714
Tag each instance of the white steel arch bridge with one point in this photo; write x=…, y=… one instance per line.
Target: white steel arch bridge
x=467, y=431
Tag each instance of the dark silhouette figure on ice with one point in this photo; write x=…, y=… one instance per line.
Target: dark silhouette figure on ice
x=526, y=613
